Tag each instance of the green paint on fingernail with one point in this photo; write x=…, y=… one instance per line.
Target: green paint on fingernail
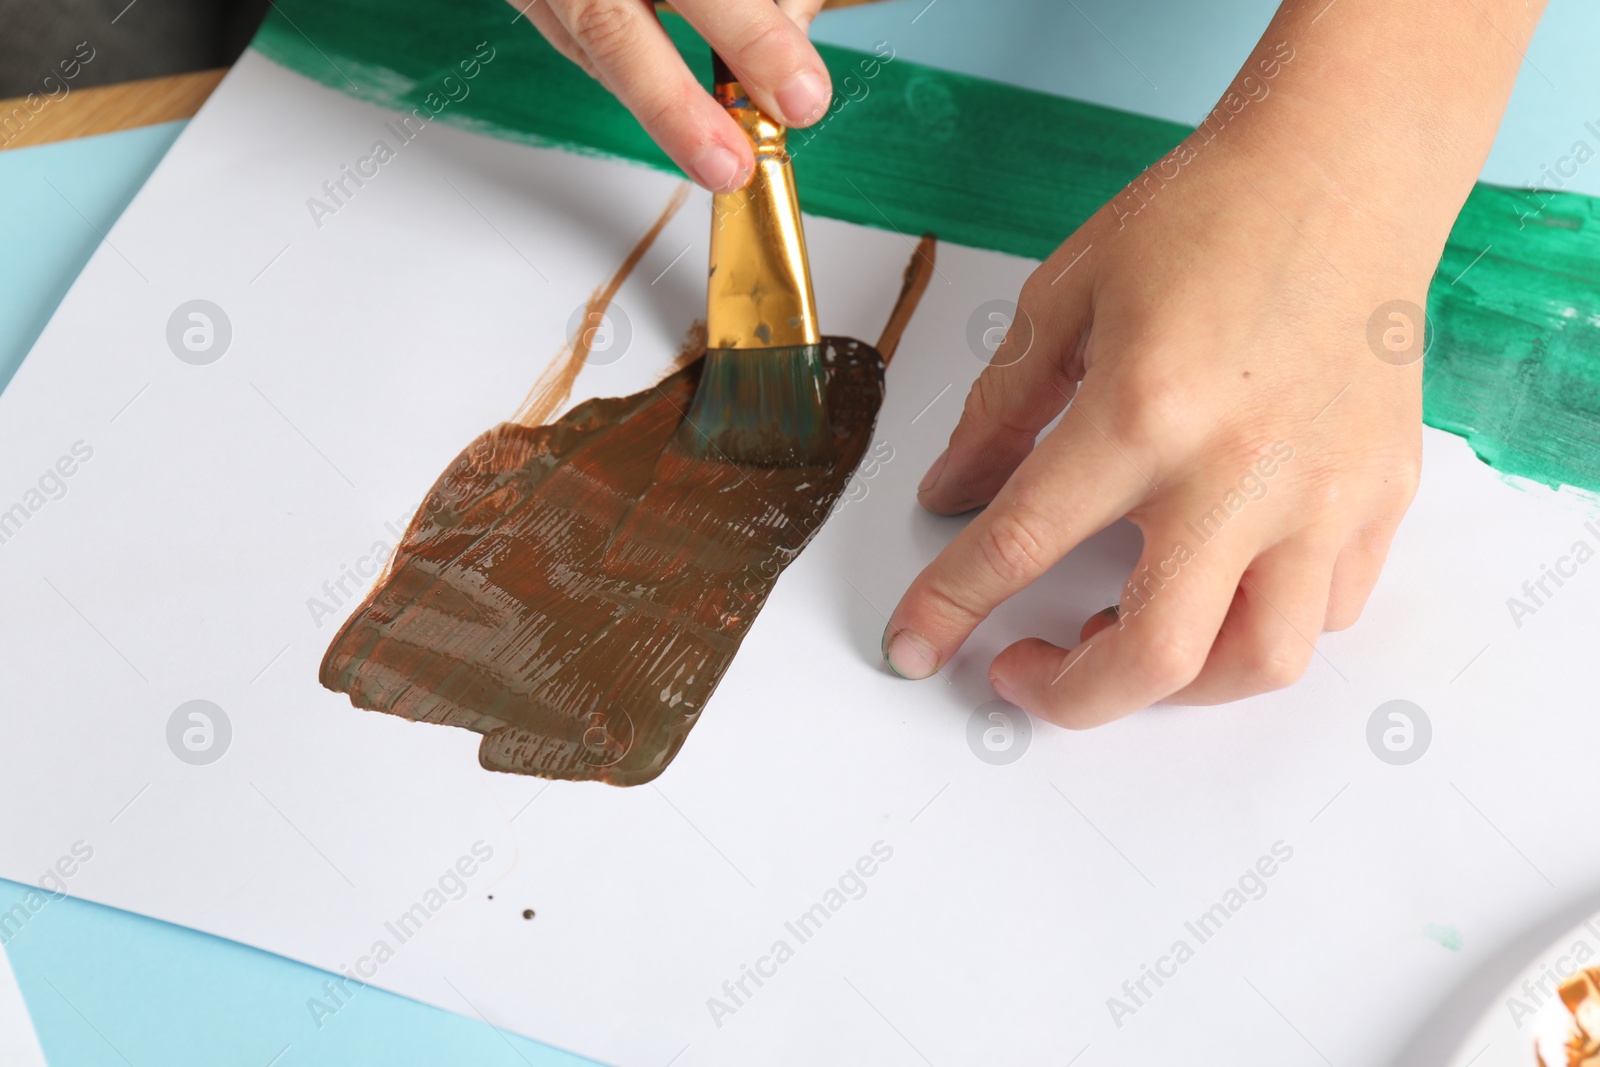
x=883, y=646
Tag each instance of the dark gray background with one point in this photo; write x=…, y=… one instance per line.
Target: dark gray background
x=148, y=38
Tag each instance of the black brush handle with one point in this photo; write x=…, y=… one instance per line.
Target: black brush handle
x=720, y=74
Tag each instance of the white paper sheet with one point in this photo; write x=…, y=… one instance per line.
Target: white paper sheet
x=19, y=1045
x=1018, y=899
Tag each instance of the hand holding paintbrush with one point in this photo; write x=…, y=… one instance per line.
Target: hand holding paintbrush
x=622, y=44
x=1207, y=329
x=761, y=393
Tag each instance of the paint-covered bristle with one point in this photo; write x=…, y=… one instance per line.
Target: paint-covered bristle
x=765, y=407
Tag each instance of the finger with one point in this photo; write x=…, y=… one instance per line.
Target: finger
x=551, y=28
x=1171, y=611
x=1270, y=632
x=1356, y=573
x=631, y=55
x=1100, y=620
x=801, y=11
x=1073, y=485
x=776, y=64
x=1028, y=380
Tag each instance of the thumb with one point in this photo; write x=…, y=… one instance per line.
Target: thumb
x=1028, y=381
x=801, y=11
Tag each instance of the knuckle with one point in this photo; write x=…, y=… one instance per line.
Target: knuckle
x=1035, y=294
x=951, y=603
x=658, y=114
x=1404, y=477
x=987, y=408
x=1319, y=493
x=1154, y=408
x=1240, y=448
x=1168, y=659
x=1015, y=546
x=983, y=401
x=603, y=28
x=563, y=42
x=1035, y=289
x=1274, y=665
x=1325, y=495
x=766, y=40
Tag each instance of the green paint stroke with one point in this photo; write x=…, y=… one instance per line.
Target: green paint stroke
x=1515, y=362
x=1444, y=936
x=1514, y=366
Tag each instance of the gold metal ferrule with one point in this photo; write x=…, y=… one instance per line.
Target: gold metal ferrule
x=759, y=291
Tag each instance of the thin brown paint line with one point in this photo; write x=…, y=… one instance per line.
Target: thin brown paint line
x=918, y=273
x=555, y=384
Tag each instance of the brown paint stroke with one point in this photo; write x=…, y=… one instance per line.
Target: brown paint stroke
x=555, y=384
x=913, y=284
x=574, y=592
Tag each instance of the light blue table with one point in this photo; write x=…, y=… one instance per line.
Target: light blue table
x=109, y=988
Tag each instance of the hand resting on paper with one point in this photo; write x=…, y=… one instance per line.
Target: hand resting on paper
x=1211, y=328
x=621, y=43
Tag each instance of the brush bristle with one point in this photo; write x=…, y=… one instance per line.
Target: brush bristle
x=766, y=407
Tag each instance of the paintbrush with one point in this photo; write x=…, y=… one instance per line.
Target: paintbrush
x=761, y=397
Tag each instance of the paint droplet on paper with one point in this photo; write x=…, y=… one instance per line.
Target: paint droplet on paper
x=1447, y=936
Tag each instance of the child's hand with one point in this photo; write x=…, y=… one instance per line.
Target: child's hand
x=1239, y=393
x=1230, y=406
x=621, y=43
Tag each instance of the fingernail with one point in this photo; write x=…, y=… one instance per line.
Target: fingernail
x=931, y=479
x=909, y=655
x=1003, y=690
x=716, y=167
x=1110, y=613
x=803, y=98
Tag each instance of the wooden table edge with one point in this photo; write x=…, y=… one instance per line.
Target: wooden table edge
x=39, y=119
